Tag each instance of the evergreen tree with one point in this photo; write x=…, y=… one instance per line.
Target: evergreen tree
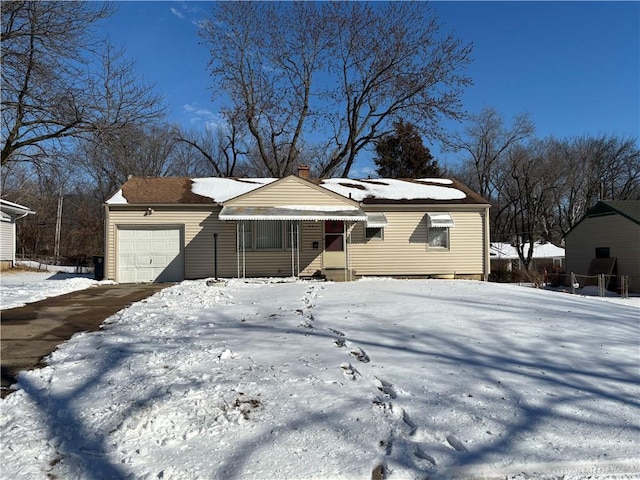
x=402, y=154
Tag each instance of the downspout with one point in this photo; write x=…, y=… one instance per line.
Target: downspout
x=487, y=240
x=107, y=258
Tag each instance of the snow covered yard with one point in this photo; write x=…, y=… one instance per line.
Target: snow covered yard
x=266, y=380
x=19, y=288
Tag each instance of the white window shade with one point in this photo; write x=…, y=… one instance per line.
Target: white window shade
x=440, y=220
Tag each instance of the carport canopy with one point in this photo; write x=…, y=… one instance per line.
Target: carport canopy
x=292, y=213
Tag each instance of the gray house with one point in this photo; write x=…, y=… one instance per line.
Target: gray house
x=607, y=240
x=9, y=214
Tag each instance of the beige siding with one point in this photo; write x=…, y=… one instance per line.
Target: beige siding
x=278, y=263
x=290, y=191
x=404, y=249
x=621, y=235
x=199, y=226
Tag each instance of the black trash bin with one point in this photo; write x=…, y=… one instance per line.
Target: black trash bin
x=98, y=267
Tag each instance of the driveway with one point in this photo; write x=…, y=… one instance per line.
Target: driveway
x=32, y=332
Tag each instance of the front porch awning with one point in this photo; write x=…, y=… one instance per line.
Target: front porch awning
x=289, y=213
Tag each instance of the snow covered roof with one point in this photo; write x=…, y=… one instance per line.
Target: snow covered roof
x=393, y=189
x=220, y=190
x=540, y=250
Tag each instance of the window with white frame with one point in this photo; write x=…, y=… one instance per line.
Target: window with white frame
x=438, y=237
x=438, y=225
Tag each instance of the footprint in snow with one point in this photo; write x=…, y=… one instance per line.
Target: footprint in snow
x=348, y=371
x=337, y=332
x=384, y=387
x=339, y=342
x=456, y=444
x=360, y=355
x=419, y=453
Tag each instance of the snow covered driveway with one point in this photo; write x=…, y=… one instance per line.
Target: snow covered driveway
x=264, y=380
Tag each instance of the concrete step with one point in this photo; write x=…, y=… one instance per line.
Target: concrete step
x=339, y=274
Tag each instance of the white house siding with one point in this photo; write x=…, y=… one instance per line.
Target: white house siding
x=404, y=249
x=621, y=235
x=7, y=241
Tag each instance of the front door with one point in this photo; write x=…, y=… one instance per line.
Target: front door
x=334, y=244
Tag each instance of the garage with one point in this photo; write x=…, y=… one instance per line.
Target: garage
x=150, y=254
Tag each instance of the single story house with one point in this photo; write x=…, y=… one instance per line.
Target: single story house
x=606, y=240
x=170, y=229
x=504, y=256
x=9, y=213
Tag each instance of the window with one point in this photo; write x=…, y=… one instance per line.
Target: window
x=438, y=225
x=268, y=235
x=373, y=233
x=602, y=252
x=438, y=237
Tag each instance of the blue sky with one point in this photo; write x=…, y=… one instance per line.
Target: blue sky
x=573, y=66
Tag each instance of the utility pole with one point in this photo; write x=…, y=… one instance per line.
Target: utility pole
x=56, y=251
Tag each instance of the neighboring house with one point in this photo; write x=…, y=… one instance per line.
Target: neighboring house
x=169, y=229
x=9, y=214
x=607, y=240
x=504, y=256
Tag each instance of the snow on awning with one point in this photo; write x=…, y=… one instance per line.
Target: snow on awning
x=440, y=220
x=376, y=220
x=283, y=213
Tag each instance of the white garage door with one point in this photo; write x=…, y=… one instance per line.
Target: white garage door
x=150, y=255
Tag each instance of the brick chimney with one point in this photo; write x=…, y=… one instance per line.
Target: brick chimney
x=303, y=171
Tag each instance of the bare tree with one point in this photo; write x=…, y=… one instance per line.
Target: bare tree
x=606, y=167
x=530, y=181
x=264, y=56
x=108, y=159
x=59, y=82
x=341, y=72
x=485, y=141
x=391, y=61
x=222, y=147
